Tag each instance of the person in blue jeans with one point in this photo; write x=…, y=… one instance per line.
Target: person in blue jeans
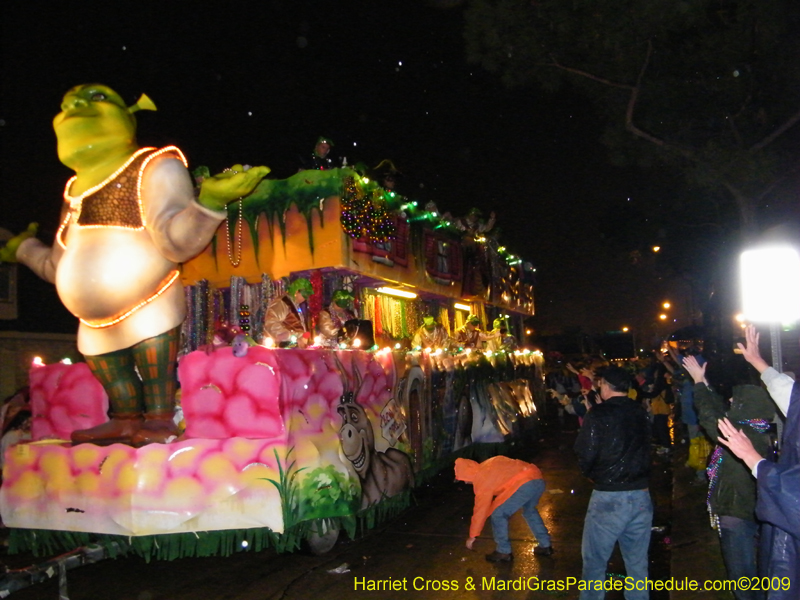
x=503, y=486
x=778, y=483
x=613, y=449
x=525, y=498
x=732, y=488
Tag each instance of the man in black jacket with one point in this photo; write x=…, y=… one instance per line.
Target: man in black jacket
x=613, y=448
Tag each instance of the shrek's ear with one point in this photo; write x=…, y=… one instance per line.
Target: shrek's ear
x=143, y=103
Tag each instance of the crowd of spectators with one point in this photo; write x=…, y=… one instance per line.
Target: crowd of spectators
x=730, y=428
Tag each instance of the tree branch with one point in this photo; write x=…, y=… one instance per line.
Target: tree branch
x=778, y=181
x=632, y=100
x=747, y=217
x=746, y=209
x=588, y=75
x=629, y=124
x=777, y=133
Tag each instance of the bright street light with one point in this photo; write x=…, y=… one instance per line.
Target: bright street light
x=666, y=305
x=770, y=279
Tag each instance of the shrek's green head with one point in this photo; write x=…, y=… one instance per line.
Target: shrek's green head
x=93, y=122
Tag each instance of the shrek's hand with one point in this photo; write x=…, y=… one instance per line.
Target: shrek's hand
x=9, y=252
x=220, y=190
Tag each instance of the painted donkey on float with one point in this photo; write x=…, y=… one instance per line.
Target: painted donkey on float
x=382, y=474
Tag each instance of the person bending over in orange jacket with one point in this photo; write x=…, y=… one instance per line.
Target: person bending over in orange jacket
x=502, y=486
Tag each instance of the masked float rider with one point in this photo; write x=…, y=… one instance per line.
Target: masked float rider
x=470, y=335
x=504, y=341
x=284, y=321
x=431, y=334
x=129, y=218
x=332, y=319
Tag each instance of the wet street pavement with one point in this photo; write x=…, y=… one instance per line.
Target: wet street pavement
x=421, y=552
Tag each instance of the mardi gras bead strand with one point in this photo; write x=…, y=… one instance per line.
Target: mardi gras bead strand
x=715, y=462
x=237, y=232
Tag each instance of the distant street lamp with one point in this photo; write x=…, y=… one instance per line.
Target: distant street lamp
x=770, y=279
x=663, y=317
x=666, y=305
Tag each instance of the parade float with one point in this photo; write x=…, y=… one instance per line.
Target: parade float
x=276, y=446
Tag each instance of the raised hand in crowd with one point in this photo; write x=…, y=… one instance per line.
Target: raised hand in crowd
x=695, y=370
x=750, y=349
x=738, y=443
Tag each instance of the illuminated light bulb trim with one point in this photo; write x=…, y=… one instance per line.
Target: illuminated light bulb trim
x=61, y=229
x=144, y=166
x=76, y=201
x=171, y=278
x=460, y=306
x=110, y=227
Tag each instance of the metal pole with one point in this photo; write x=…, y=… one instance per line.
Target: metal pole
x=777, y=364
x=775, y=341
x=62, y=580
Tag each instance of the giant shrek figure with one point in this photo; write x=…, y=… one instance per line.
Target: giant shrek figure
x=129, y=218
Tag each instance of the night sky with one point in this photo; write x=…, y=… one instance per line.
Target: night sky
x=258, y=82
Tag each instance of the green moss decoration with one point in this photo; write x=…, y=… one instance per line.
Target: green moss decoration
x=365, y=208
x=272, y=198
